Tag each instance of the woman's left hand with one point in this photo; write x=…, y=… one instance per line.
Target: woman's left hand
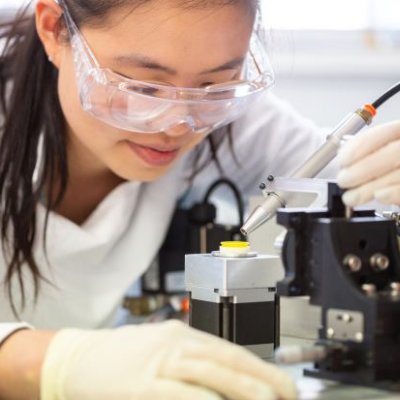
x=371, y=166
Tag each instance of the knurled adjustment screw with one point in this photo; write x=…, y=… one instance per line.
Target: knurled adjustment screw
x=379, y=262
x=352, y=262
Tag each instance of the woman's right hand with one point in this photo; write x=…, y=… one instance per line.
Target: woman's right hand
x=156, y=361
x=371, y=166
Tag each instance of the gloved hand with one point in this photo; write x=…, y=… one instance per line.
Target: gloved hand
x=166, y=360
x=371, y=166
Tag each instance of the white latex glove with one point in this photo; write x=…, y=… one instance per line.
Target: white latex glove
x=168, y=361
x=371, y=166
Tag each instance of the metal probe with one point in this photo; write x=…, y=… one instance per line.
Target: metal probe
x=319, y=160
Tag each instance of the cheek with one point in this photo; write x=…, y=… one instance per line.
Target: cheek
x=68, y=92
x=195, y=140
x=87, y=129
x=99, y=143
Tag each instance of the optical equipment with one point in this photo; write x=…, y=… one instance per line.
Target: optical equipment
x=320, y=159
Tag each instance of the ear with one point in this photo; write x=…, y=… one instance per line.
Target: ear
x=48, y=14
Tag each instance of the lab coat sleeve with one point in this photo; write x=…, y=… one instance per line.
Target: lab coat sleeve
x=7, y=329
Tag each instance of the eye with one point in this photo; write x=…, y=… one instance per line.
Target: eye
x=205, y=84
x=145, y=87
x=141, y=89
x=146, y=90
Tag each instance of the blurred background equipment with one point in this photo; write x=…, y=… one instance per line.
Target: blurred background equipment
x=192, y=231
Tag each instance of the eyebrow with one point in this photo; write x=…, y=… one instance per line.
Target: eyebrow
x=143, y=61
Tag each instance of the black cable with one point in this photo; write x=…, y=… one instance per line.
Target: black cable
x=386, y=96
x=236, y=192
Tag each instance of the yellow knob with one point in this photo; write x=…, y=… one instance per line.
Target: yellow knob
x=234, y=244
x=234, y=249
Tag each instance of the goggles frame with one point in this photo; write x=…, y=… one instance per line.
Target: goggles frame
x=216, y=94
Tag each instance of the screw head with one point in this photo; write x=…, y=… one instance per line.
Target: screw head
x=330, y=333
x=359, y=337
x=347, y=318
x=369, y=288
x=395, y=286
x=379, y=262
x=352, y=262
x=395, y=289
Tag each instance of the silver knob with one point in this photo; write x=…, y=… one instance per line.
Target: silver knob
x=379, y=262
x=352, y=262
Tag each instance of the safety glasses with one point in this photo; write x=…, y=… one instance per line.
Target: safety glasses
x=147, y=107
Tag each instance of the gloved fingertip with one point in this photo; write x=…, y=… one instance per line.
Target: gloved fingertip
x=383, y=195
x=285, y=387
x=291, y=391
x=351, y=198
x=343, y=178
x=266, y=394
x=345, y=156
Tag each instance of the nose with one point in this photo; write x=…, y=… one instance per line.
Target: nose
x=180, y=129
x=179, y=121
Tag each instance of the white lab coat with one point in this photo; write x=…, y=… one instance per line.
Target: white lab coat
x=92, y=266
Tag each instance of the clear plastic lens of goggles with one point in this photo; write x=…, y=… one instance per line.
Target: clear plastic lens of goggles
x=139, y=113
x=142, y=107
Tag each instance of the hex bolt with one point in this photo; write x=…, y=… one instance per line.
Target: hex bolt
x=347, y=318
x=369, y=288
x=359, y=337
x=395, y=286
x=330, y=333
x=379, y=262
x=352, y=262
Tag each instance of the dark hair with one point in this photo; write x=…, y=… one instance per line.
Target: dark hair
x=31, y=112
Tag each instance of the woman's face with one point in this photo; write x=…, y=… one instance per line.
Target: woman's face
x=156, y=42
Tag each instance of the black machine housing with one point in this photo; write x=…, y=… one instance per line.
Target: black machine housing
x=351, y=268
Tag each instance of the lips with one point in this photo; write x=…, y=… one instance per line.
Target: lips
x=155, y=155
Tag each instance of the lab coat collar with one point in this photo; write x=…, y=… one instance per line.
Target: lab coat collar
x=98, y=233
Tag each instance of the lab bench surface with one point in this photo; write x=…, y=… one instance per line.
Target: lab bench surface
x=317, y=389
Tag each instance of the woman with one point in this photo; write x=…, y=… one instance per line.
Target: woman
x=112, y=109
